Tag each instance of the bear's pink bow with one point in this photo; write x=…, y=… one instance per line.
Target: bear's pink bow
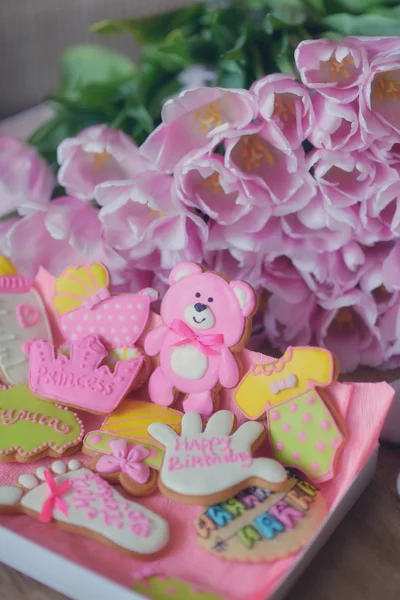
x=283, y=384
x=129, y=461
x=202, y=342
x=94, y=299
x=54, y=500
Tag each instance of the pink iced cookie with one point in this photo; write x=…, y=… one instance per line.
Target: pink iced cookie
x=206, y=319
x=86, y=307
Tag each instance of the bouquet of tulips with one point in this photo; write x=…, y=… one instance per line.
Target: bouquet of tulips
x=292, y=185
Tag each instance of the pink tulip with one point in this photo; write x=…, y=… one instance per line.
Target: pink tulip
x=195, y=122
x=336, y=126
x=207, y=185
x=271, y=172
x=347, y=325
x=24, y=176
x=95, y=155
x=380, y=214
x=287, y=103
x=380, y=94
x=335, y=69
x=289, y=323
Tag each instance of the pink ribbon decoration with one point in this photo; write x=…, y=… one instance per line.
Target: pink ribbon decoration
x=129, y=461
x=54, y=500
x=202, y=342
x=94, y=299
x=283, y=384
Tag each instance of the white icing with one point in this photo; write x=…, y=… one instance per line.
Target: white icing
x=199, y=320
x=40, y=472
x=203, y=463
x=28, y=481
x=59, y=467
x=10, y=495
x=85, y=511
x=13, y=363
x=184, y=272
x=74, y=464
x=241, y=296
x=188, y=362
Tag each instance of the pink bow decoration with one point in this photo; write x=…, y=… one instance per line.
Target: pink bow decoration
x=94, y=299
x=129, y=461
x=283, y=384
x=202, y=342
x=54, y=500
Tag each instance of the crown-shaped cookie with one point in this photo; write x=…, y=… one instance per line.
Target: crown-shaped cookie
x=79, y=381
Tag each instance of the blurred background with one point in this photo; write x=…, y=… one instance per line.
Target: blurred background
x=35, y=33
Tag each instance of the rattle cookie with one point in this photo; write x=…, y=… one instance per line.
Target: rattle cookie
x=23, y=318
x=31, y=428
x=304, y=433
x=207, y=467
x=80, y=380
x=130, y=465
x=206, y=319
x=81, y=502
x=258, y=525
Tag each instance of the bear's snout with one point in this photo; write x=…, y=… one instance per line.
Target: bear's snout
x=200, y=307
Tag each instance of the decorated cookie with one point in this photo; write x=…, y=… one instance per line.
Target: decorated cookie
x=131, y=420
x=304, y=433
x=31, y=428
x=206, y=320
x=22, y=318
x=82, y=502
x=259, y=525
x=79, y=380
x=161, y=587
x=128, y=465
x=211, y=466
x=97, y=443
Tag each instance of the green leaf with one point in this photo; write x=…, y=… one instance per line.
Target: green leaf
x=231, y=75
x=369, y=24
x=288, y=12
x=88, y=64
x=352, y=6
x=152, y=30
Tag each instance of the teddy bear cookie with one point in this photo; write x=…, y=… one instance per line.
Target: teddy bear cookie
x=85, y=306
x=80, y=501
x=23, y=318
x=204, y=467
x=303, y=429
x=206, y=319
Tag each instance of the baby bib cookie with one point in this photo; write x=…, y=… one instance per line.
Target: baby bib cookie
x=80, y=380
x=22, y=318
x=81, y=502
x=31, y=428
x=259, y=525
x=129, y=465
x=207, y=467
x=131, y=420
x=206, y=319
x=303, y=430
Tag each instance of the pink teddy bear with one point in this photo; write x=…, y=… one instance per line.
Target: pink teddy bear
x=206, y=318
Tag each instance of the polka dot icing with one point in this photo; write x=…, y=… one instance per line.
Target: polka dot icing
x=275, y=415
x=293, y=407
x=306, y=418
x=286, y=427
x=302, y=437
x=320, y=446
x=280, y=446
x=296, y=455
x=325, y=425
x=310, y=400
x=315, y=466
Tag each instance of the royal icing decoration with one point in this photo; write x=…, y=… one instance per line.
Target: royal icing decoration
x=303, y=431
x=97, y=442
x=161, y=587
x=30, y=426
x=206, y=319
x=126, y=464
x=259, y=525
x=85, y=307
x=79, y=380
x=22, y=319
x=131, y=420
x=202, y=467
x=83, y=502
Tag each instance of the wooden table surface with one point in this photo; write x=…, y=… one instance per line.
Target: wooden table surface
x=361, y=561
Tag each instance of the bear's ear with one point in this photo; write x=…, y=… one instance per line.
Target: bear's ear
x=183, y=270
x=245, y=295
x=151, y=292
